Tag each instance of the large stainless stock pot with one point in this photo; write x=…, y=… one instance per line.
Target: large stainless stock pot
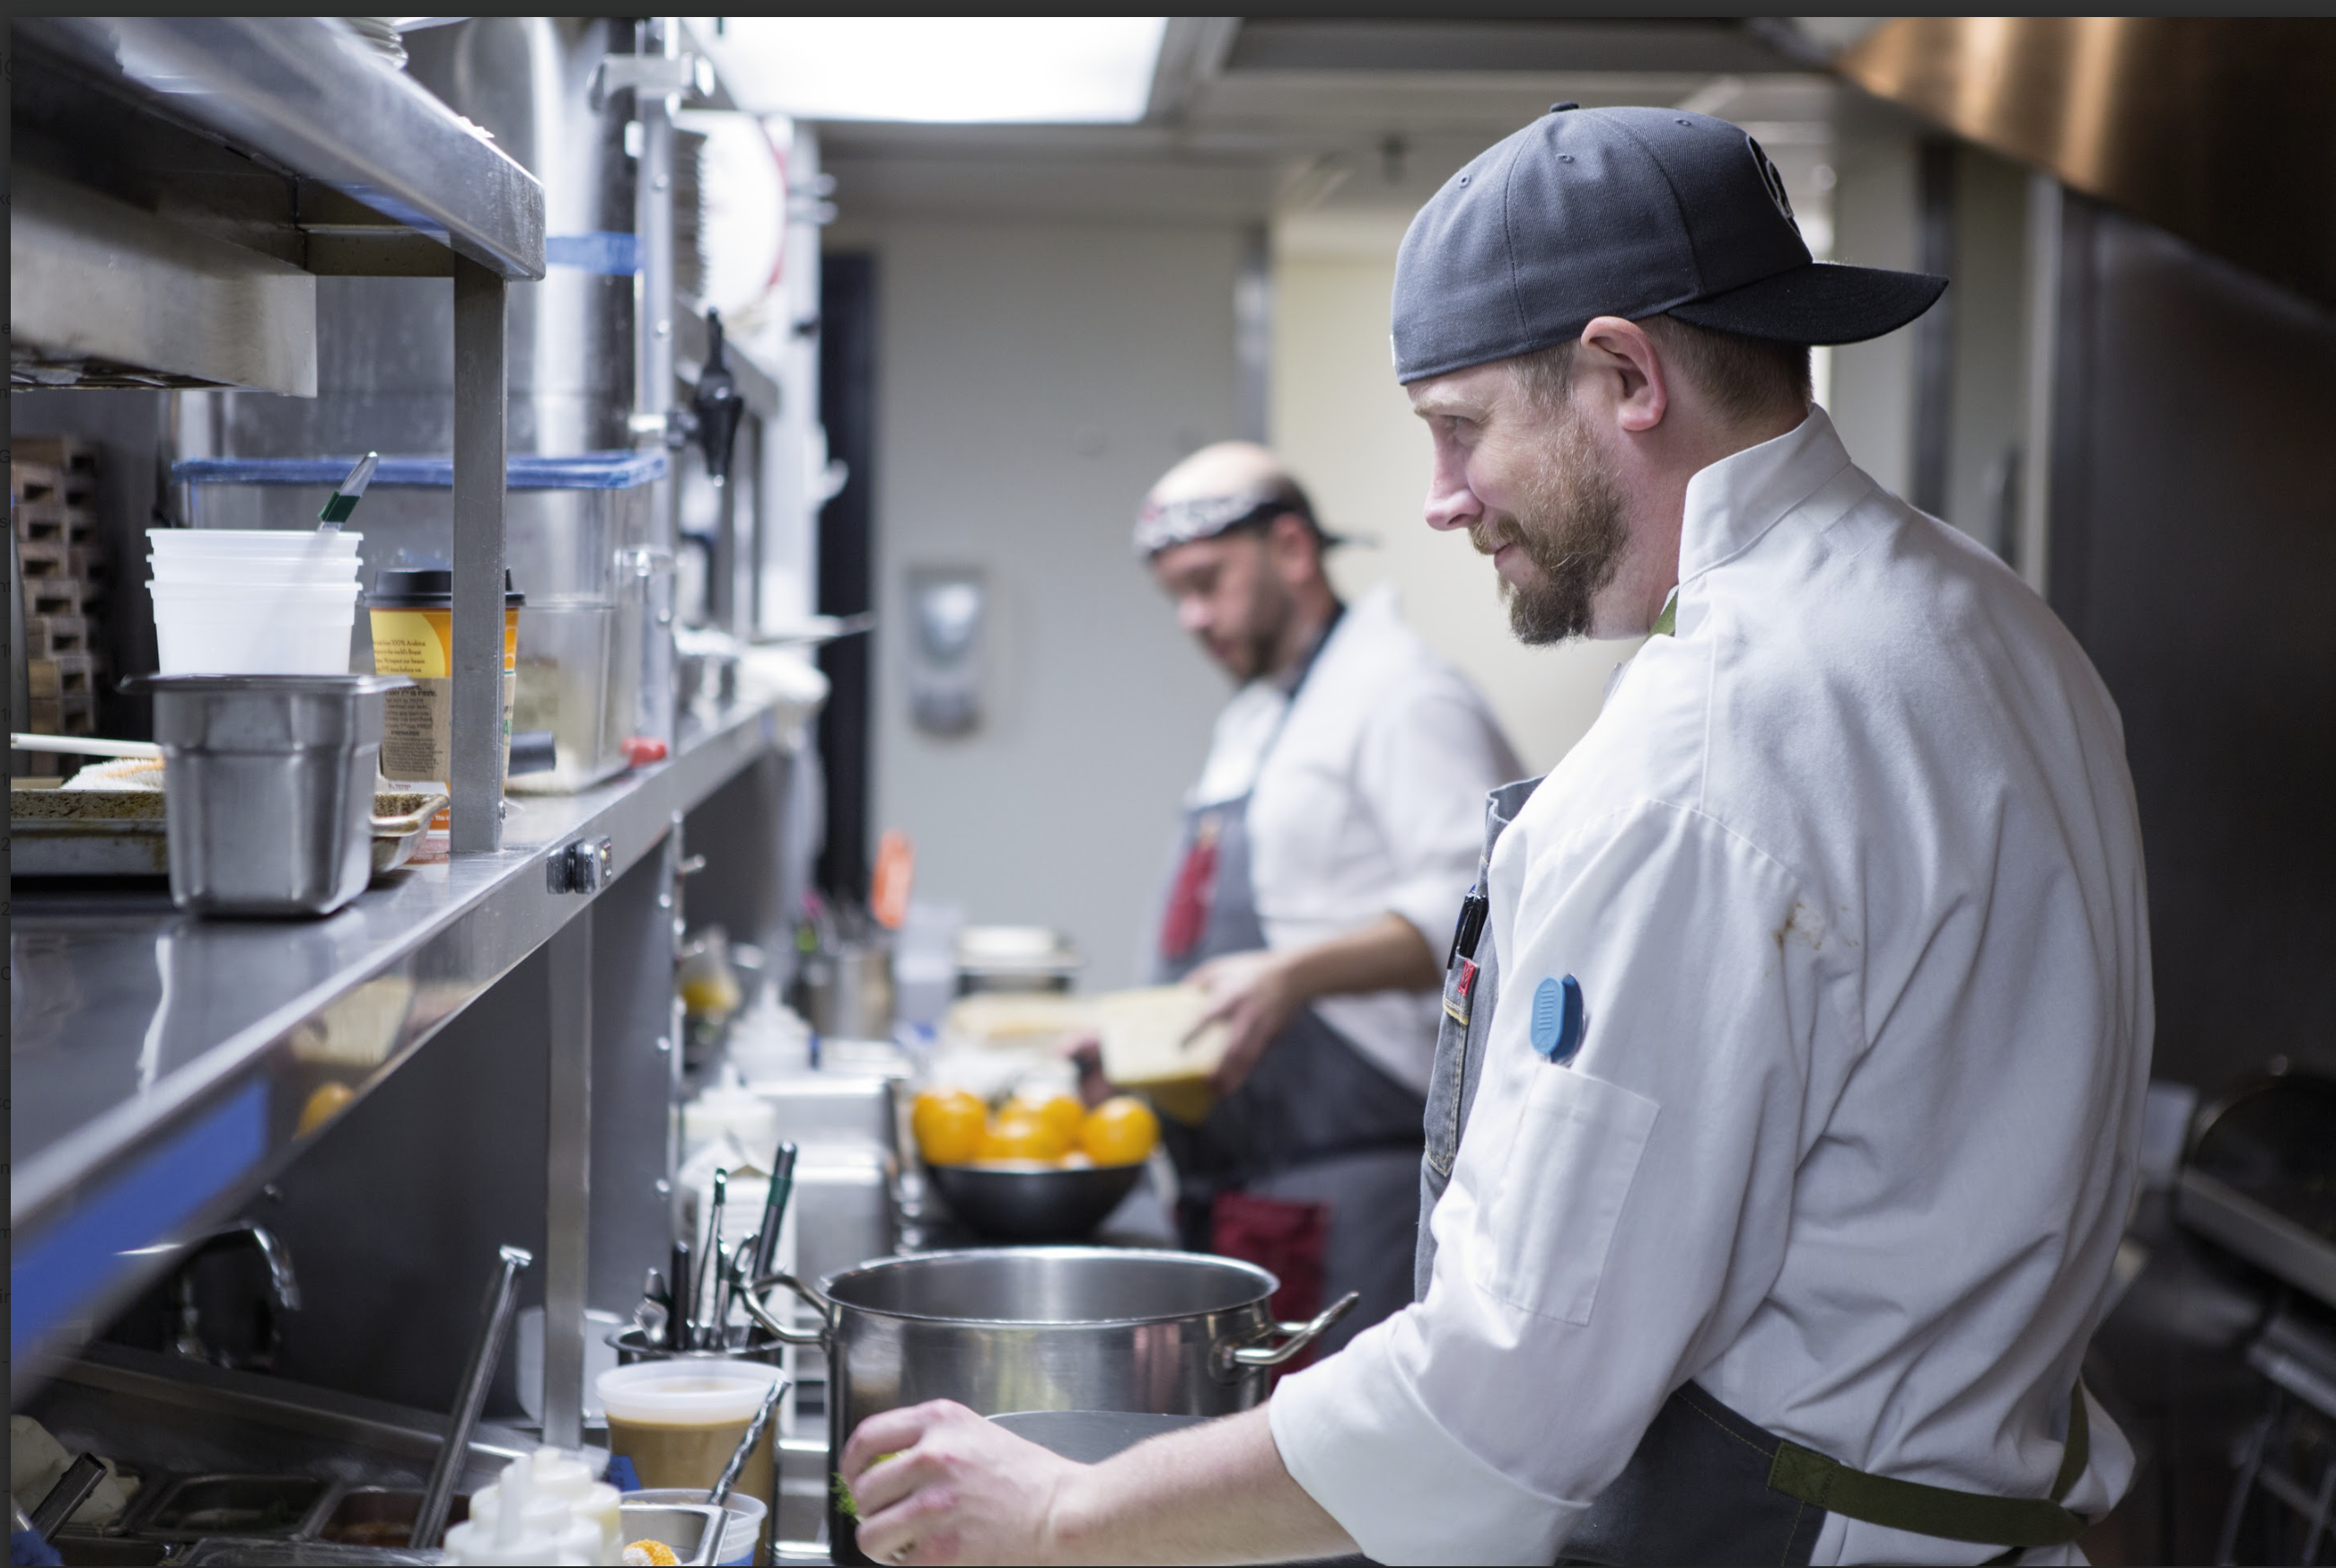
x=1005, y=1328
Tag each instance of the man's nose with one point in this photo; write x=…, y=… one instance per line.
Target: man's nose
x=1193, y=614
x=1451, y=504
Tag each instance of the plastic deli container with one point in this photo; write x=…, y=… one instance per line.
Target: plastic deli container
x=595, y=637
x=253, y=604
x=412, y=612
x=742, y=1526
x=679, y=1422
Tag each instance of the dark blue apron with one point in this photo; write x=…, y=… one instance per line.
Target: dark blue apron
x=1317, y=1122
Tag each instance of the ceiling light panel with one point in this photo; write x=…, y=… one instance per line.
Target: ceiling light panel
x=946, y=70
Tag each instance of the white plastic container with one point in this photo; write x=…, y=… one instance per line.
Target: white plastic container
x=217, y=543
x=253, y=601
x=202, y=571
x=273, y=630
x=694, y=1411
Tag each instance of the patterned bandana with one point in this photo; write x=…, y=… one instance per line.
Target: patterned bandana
x=1161, y=523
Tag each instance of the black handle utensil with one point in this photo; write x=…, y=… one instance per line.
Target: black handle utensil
x=774, y=1207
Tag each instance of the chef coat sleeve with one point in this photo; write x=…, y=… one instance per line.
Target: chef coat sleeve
x=1610, y=1222
x=1431, y=754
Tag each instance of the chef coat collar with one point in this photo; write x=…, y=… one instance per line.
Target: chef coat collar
x=1293, y=676
x=1733, y=502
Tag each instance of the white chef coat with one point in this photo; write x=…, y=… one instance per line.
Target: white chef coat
x=1369, y=797
x=1850, y=875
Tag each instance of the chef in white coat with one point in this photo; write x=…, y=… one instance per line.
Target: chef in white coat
x=1777, y=1166
x=1334, y=822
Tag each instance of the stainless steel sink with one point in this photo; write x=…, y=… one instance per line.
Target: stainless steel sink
x=234, y=1467
x=221, y=1453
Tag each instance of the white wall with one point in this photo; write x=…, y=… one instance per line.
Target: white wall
x=1876, y=222
x=1342, y=423
x=1034, y=379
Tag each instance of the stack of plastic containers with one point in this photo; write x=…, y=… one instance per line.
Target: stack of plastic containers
x=253, y=601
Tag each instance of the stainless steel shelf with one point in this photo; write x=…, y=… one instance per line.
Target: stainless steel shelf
x=305, y=94
x=165, y=1067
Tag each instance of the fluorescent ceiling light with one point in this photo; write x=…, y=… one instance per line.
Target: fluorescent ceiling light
x=1014, y=70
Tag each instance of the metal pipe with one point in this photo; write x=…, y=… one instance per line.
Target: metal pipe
x=470, y=1399
x=568, y=1175
x=73, y=1489
x=480, y=460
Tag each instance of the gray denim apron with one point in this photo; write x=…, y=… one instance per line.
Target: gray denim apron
x=1705, y=1484
x=1317, y=1122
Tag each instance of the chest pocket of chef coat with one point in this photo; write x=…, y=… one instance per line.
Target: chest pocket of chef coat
x=1551, y=1220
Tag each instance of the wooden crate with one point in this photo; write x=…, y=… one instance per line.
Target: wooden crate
x=73, y=459
x=37, y=482
x=46, y=636
x=38, y=522
x=45, y=557
x=89, y=563
x=62, y=675
x=54, y=596
x=65, y=715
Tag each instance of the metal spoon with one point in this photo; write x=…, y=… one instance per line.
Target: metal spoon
x=747, y=1445
x=651, y=1313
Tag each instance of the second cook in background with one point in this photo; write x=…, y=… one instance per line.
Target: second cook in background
x=1335, y=825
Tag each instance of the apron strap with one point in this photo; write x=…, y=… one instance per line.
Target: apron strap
x=1942, y=1511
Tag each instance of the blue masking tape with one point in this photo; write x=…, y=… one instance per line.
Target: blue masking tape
x=609, y=254
x=65, y=1270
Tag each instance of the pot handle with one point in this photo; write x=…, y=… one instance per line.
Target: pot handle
x=1298, y=1336
x=751, y=1297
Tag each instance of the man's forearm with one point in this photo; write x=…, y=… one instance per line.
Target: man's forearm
x=1213, y=1494
x=1385, y=954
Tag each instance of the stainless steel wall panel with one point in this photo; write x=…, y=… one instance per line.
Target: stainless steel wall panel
x=150, y=303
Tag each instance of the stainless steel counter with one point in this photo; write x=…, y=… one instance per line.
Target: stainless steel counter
x=165, y=1065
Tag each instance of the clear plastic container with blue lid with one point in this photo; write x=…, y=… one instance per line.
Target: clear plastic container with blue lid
x=579, y=544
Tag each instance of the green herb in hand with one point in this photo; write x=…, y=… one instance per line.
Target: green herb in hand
x=845, y=1503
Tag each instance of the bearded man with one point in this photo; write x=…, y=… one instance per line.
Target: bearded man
x=1799, y=1030
x=1331, y=828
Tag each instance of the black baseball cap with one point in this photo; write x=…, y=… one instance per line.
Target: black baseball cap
x=1627, y=212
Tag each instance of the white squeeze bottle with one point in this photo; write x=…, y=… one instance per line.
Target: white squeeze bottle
x=591, y=1504
x=510, y=1523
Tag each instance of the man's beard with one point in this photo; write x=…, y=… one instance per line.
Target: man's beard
x=1258, y=647
x=1571, y=527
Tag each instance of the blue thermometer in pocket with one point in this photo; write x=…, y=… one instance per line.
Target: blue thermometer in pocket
x=1559, y=1019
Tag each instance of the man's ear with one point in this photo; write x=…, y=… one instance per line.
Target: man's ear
x=1290, y=543
x=1622, y=364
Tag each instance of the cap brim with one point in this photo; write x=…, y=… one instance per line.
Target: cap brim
x=1824, y=302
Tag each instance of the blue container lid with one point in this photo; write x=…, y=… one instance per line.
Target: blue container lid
x=585, y=471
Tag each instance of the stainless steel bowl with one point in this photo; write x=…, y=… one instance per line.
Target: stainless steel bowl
x=1034, y=1203
x=1090, y=1437
x=270, y=799
x=1002, y=1329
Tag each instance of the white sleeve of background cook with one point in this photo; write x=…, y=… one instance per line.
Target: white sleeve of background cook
x=1611, y=1223
x=1426, y=761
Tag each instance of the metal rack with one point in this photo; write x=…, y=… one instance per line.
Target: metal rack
x=181, y=181
x=180, y=184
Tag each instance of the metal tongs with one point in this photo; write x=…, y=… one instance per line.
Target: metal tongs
x=688, y=1307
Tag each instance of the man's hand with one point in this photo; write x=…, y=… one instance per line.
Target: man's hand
x=1255, y=995
x=955, y=1488
x=1083, y=1049
x=952, y=1488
